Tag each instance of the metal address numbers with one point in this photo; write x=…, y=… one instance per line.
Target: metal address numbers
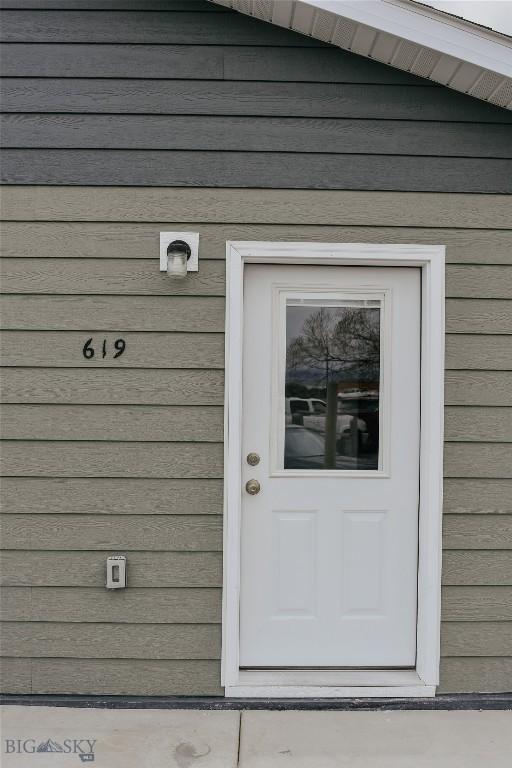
x=89, y=350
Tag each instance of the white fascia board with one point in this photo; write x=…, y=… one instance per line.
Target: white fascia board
x=475, y=47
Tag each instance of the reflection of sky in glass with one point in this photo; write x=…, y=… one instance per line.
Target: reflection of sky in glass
x=296, y=315
x=351, y=360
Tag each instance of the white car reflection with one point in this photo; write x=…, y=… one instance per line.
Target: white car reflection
x=305, y=449
x=311, y=413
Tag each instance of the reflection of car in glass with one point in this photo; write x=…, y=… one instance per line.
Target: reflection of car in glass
x=298, y=407
x=311, y=412
x=305, y=449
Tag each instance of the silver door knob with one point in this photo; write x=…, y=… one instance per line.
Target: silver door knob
x=252, y=487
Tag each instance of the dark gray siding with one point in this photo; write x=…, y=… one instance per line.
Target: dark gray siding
x=191, y=94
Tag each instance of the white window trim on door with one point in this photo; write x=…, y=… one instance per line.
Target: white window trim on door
x=422, y=680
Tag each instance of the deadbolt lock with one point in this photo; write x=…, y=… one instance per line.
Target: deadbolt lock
x=252, y=487
x=253, y=459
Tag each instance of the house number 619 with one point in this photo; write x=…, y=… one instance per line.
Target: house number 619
x=88, y=350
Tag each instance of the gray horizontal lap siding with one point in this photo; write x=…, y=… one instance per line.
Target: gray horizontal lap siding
x=107, y=456
x=196, y=95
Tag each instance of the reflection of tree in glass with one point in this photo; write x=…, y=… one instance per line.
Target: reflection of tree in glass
x=335, y=340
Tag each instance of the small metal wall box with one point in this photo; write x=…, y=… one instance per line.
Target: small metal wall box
x=192, y=240
x=116, y=572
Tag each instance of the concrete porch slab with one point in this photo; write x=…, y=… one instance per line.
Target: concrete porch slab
x=416, y=739
x=119, y=738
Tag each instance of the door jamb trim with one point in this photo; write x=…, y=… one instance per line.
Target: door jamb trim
x=431, y=259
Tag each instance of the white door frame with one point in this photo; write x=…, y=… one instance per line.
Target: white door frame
x=423, y=679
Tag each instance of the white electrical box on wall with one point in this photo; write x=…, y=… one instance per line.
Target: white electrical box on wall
x=116, y=572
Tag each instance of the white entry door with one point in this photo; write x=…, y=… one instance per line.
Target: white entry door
x=330, y=456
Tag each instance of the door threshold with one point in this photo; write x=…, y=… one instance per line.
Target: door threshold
x=324, y=669
x=328, y=683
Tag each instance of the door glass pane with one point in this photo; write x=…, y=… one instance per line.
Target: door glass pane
x=332, y=384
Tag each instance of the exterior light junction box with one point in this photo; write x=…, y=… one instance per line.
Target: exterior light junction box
x=192, y=238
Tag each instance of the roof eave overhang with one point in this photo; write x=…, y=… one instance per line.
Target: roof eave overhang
x=403, y=34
